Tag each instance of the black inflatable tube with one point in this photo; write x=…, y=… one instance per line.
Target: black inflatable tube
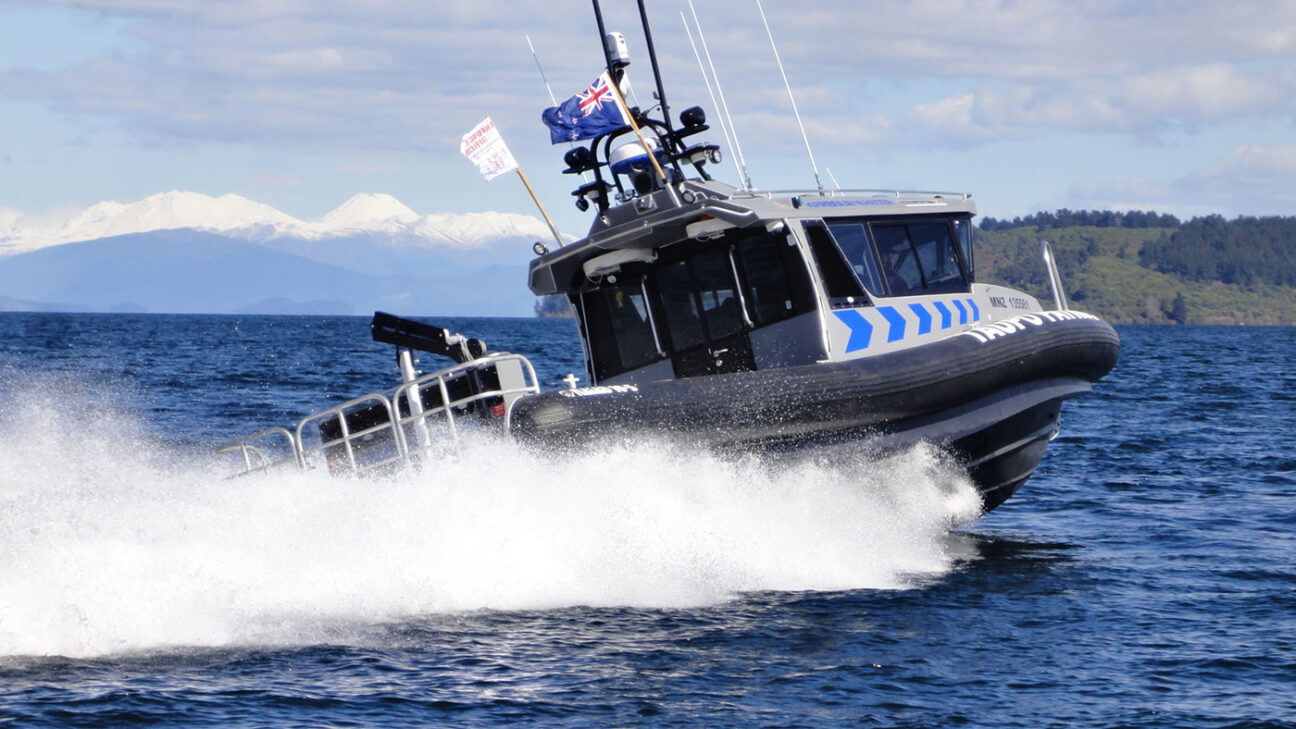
x=814, y=401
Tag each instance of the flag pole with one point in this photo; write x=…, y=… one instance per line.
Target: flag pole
x=552, y=228
x=484, y=147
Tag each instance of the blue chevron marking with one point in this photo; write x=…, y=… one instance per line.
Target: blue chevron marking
x=976, y=311
x=924, y=317
x=896, y=320
x=861, y=331
x=947, y=317
x=962, y=310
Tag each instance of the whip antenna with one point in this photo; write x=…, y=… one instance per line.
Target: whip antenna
x=779, y=60
x=746, y=178
x=833, y=177
x=724, y=128
x=553, y=100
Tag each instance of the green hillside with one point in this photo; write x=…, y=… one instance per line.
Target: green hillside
x=1117, y=272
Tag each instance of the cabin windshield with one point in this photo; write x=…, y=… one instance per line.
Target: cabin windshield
x=700, y=299
x=683, y=315
x=618, y=317
x=777, y=285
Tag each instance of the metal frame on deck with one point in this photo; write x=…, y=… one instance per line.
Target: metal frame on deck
x=409, y=434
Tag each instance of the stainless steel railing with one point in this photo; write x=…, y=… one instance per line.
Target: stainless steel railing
x=390, y=428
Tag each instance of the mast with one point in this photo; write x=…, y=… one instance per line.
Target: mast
x=652, y=56
x=607, y=52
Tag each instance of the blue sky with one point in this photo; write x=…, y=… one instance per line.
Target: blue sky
x=1178, y=106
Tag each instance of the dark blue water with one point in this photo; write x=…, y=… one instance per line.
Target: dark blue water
x=1146, y=576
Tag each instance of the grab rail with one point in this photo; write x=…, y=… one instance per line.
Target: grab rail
x=390, y=429
x=348, y=439
x=247, y=447
x=1055, y=279
x=853, y=192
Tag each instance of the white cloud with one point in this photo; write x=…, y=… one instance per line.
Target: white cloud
x=1252, y=180
x=401, y=75
x=1185, y=98
x=9, y=218
x=1206, y=93
x=311, y=94
x=1133, y=194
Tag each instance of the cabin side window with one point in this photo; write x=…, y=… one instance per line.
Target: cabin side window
x=747, y=281
x=838, y=276
x=620, y=328
x=937, y=257
x=919, y=257
x=854, y=244
x=963, y=226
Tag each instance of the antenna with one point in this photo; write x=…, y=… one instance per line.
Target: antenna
x=724, y=128
x=552, y=99
x=832, y=177
x=779, y=60
x=746, y=178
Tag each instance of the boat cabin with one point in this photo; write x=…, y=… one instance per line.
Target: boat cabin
x=686, y=277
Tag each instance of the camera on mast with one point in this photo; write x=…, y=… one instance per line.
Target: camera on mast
x=618, y=52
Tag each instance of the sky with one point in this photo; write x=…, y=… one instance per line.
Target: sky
x=1170, y=105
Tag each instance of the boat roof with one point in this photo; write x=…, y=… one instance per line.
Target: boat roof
x=667, y=216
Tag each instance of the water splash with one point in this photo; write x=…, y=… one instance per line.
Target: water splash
x=111, y=541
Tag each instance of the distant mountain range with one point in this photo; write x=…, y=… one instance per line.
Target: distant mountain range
x=184, y=252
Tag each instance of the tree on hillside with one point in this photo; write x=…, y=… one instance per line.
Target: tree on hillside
x=1065, y=218
x=1245, y=251
x=1178, y=310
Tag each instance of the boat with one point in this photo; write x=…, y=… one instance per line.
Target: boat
x=741, y=320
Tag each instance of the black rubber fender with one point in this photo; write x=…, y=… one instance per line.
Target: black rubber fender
x=811, y=400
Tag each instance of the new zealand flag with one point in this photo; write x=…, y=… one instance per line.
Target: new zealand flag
x=586, y=115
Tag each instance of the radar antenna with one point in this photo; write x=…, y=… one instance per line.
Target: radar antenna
x=779, y=60
x=726, y=121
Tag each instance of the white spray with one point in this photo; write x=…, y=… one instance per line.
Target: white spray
x=111, y=542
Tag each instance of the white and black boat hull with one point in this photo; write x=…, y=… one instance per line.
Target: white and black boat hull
x=994, y=403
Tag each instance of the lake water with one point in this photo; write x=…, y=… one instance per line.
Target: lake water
x=1144, y=577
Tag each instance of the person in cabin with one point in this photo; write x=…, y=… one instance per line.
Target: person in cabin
x=893, y=260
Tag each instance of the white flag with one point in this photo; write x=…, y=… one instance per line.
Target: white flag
x=486, y=148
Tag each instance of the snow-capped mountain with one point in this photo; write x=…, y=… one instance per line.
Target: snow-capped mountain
x=187, y=252
x=368, y=214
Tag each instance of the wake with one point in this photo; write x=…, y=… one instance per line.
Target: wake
x=113, y=542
